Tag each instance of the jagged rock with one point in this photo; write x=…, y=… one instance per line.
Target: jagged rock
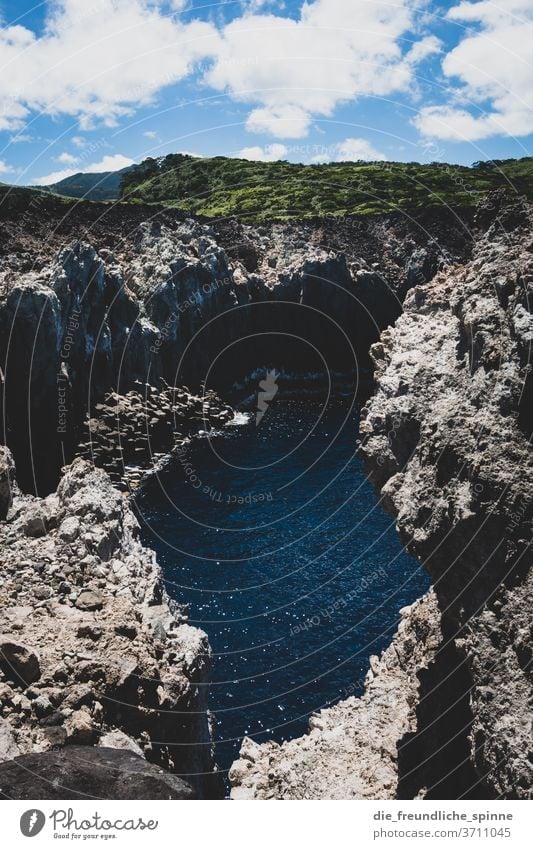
x=446, y=441
x=84, y=772
x=119, y=740
x=172, y=295
x=89, y=680
x=8, y=746
x=80, y=728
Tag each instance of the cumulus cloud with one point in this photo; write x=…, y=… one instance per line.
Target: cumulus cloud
x=269, y=153
x=292, y=70
x=93, y=66
x=110, y=162
x=494, y=64
x=291, y=122
x=67, y=159
x=5, y=168
x=350, y=150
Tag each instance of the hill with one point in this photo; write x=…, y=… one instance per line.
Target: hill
x=261, y=191
x=104, y=185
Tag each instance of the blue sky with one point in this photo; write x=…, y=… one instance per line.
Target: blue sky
x=96, y=84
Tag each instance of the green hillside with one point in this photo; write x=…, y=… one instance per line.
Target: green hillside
x=100, y=186
x=220, y=187
x=13, y=199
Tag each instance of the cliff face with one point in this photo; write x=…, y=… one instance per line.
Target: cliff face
x=95, y=652
x=181, y=301
x=445, y=439
x=446, y=442
x=351, y=751
x=92, y=651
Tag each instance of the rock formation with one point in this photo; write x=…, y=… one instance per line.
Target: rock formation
x=92, y=651
x=351, y=751
x=447, y=445
x=446, y=442
x=182, y=302
x=84, y=772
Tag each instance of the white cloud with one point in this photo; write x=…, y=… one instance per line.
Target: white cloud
x=494, y=63
x=288, y=121
x=294, y=70
x=54, y=177
x=96, y=66
x=21, y=138
x=5, y=168
x=111, y=162
x=269, y=153
x=67, y=158
x=350, y=150
x=150, y=134
x=100, y=61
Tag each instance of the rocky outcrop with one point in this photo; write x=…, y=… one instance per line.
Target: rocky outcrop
x=131, y=433
x=177, y=301
x=91, y=648
x=446, y=440
x=351, y=750
x=446, y=437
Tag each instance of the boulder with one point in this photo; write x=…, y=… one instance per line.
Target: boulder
x=89, y=600
x=84, y=772
x=18, y=662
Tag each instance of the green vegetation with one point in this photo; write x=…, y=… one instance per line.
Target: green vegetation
x=16, y=198
x=257, y=191
x=100, y=187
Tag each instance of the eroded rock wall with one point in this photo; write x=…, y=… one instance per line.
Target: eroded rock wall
x=92, y=651
x=446, y=440
x=177, y=300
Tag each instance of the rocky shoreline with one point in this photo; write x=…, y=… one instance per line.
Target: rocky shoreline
x=446, y=439
x=94, y=654
x=166, y=301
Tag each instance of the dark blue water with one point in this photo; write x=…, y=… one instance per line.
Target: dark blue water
x=274, y=539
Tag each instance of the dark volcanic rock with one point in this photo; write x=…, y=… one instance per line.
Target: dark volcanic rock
x=84, y=772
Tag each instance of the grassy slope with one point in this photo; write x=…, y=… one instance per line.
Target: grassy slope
x=100, y=187
x=276, y=190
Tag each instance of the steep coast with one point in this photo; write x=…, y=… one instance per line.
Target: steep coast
x=446, y=443
x=117, y=322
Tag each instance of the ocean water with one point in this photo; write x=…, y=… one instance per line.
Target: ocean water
x=273, y=537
